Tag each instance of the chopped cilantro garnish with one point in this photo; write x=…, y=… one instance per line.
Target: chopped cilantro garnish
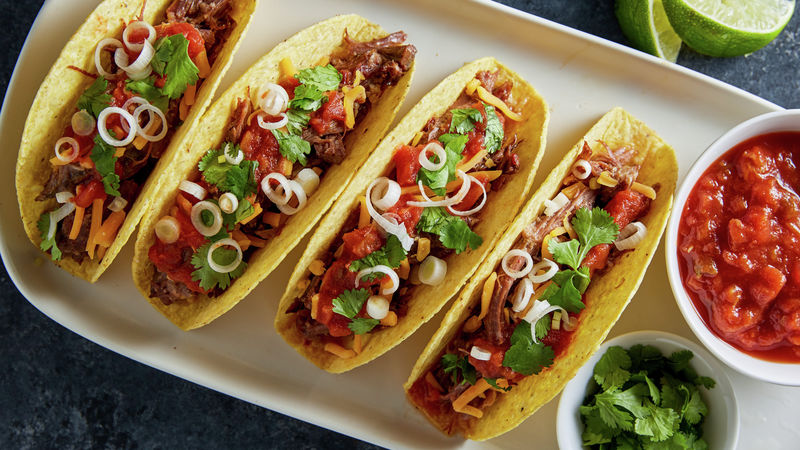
x=147, y=89
x=542, y=327
x=322, y=78
x=350, y=302
x=644, y=400
x=437, y=179
x=524, y=356
x=453, y=232
x=48, y=244
x=362, y=325
x=238, y=179
x=307, y=98
x=244, y=210
x=95, y=99
x=459, y=368
x=292, y=147
x=391, y=254
x=210, y=278
x=105, y=163
x=298, y=121
x=494, y=130
x=172, y=59
x=464, y=120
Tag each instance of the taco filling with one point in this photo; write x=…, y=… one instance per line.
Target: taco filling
x=278, y=145
x=531, y=304
x=412, y=220
x=123, y=122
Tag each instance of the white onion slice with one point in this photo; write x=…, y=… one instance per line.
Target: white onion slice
x=271, y=98
x=437, y=150
x=136, y=102
x=101, y=126
x=141, y=130
x=193, y=189
x=64, y=196
x=107, y=42
x=550, y=268
x=272, y=125
x=472, y=211
x=523, y=295
x=630, y=236
x=552, y=206
x=118, y=204
x=386, y=194
x=517, y=253
x=428, y=203
x=82, y=123
x=233, y=160
x=197, y=218
x=396, y=228
x=540, y=309
x=432, y=271
x=51, y=231
x=377, y=307
x=302, y=198
x=168, y=230
x=480, y=354
x=582, y=169
x=135, y=26
x=62, y=212
x=140, y=67
x=272, y=194
x=308, y=180
x=228, y=203
x=380, y=268
x=233, y=264
x=73, y=153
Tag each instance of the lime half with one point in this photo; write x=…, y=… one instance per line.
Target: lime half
x=728, y=27
x=645, y=24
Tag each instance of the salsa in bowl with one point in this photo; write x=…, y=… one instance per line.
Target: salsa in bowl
x=733, y=248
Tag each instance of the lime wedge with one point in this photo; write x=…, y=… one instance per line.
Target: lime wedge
x=645, y=24
x=728, y=27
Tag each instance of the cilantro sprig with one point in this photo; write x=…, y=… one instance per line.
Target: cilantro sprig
x=525, y=356
x=391, y=254
x=292, y=146
x=147, y=88
x=172, y=59
x=645, y=400
x=437, y=179
x=210, y=278
x=238, y=179
x=95, y=99
x=453, y=232
x=593, y=227
x=494, y=130
x=459, y=368
x=349, y=304
x=309, y=96
x=48, y=243
x=464, y=120
x=105, y=162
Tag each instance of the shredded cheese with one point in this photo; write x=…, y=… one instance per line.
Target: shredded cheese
x=357, y=344
x=356, y=94
x=390, y=320
x=490, y=175
x=465, y=166
x=184, y=205
x=472, y=85
x=546, y=241
x=461, y=404
x=317, y=267
x=572, y=190
x=77, y=222
x=287, y=68
x=644, y=189
x=363, y=213
x=423, y=248
x=605, y=179
x=108, y=230
x=486, y=294
x=404, y=269
x=489, y=98
x=416, y=139
x=358, y=78
x=339, y=351
x=314, y=306
x=286, y=167
x=256, y=211
x=203, y=66
x=119, y=152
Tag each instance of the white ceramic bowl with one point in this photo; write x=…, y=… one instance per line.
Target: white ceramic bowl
x=779, y=373
x=721, y=428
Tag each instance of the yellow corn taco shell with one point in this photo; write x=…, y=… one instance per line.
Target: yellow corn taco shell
x=608, y=293
x=494, y=217
x=305, y=49
x=55, y=102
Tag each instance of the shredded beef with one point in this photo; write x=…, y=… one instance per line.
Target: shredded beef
x=238, y=121
x=74, y=248
x=211, y=18
x=308, y=326
x=64, y=178
x=329, y=148
x=167, y=290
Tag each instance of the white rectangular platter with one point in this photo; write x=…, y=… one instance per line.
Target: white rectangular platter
x=580, y=76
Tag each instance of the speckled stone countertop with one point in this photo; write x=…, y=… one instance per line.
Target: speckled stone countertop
x=60, y=390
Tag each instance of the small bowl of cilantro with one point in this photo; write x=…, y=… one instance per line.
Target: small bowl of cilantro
x=649, y=389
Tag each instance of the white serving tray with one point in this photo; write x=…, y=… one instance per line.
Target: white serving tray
x=580, y=76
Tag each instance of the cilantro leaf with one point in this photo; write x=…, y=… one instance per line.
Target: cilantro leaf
x=147, y=89
x=48, y=244
x=323, y=78
x=105, y=162
x=172, y=59
x=244, y=210
x=238, y=179
x=391, y=254
x=95, y=99
x=594, y=227
x=298, y=121
x=437, y=179
x=610, y=414
x=567, y=288
x=494, y=130
x=659, y=423
x=595, y=431
x=525, y=357
x=493, y=383
x=292, y=147
x=695, y=409
x=453, y=232
x=542, y=327
x=361, y=325
x=307, y=98
x=350, y=302
x=210, y=278
x=611, y=369
x=464, y=120
x=454, y=365
x=565, y=252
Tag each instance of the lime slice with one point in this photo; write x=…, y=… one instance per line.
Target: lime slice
x=728, y=27
x=645, y=24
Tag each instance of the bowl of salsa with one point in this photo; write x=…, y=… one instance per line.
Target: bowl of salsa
x=733, y=248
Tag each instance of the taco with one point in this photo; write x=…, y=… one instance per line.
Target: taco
x=554, y=285
x=267, y=160
x=110, y=117
x=417, y=219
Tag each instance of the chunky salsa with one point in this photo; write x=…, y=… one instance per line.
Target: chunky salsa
x=739, y=246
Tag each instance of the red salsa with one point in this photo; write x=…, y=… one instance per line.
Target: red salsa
x=739, y=247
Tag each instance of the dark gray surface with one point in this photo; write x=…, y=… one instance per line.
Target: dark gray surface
x=62, y=391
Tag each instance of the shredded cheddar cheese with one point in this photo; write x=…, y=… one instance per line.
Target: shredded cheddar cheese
x=257, y=210
x=572, y=190
x=339, y=351
x=489, y=98
x=357, y=344
x=461, y=404
x=486, y=294
x=465, y=166
x=363, y=213
x=314, y=306
x=416, y=139
x=356, y=94
x=605, y=179
x=644, y=189
x=77, y=222
x=358, y=78
x=472, y=85
x=404, y=269
x=390, y=320
x=423, y=248
x=287, y=68
x=203, y=66
x=317, y=267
